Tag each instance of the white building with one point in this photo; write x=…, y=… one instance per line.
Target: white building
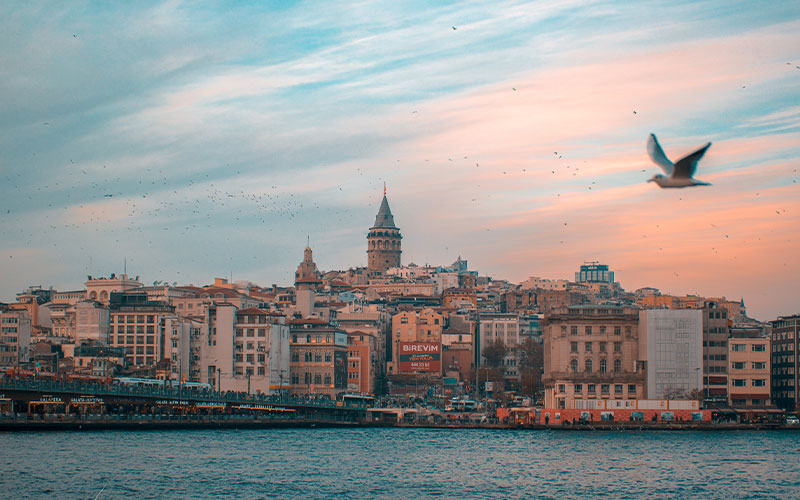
x=91, y=322
x=671, y=343
x=245, y=350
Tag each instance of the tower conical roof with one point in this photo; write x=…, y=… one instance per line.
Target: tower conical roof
x=384, y=219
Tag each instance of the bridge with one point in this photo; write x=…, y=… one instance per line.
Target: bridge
x=40, y=399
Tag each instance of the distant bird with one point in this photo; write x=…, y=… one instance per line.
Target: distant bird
x=679, y=174
x=634, y=112
x=454, y=28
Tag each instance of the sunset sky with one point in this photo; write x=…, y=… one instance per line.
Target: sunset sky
x=202, y=141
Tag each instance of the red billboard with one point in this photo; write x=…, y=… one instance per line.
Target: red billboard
x=420, y=357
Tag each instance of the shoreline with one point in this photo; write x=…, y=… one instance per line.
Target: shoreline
x=92, y=425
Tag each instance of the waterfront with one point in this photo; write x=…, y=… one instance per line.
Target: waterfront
x=400, y=463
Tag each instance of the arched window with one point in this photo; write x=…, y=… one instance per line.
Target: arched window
x=588, y=366
x=574, y=365
x=103, y=296
x=617, y=366
x=603, y=366
x=93, y=295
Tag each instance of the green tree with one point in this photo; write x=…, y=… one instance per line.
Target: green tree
x=494, y=353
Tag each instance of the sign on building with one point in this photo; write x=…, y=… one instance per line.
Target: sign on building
x=420, y=357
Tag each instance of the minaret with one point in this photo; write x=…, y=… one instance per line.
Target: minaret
x=383, y=240
x=306, y=281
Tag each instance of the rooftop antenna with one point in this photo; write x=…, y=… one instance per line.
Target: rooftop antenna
x=125, y=267
x=308, y=240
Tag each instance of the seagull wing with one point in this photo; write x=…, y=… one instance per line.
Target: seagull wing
x=688, y=164
x=657, y=155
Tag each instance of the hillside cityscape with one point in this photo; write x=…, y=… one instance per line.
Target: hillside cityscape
x=441, y=335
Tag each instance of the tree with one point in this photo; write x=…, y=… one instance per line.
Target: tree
x=494, y=353
x=531, y=365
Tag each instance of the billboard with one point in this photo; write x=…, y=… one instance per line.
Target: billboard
x=420, y=357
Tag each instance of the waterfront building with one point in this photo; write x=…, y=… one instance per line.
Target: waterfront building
x=319, y=354
x=591, y=352
x=459, y=298
x=670, y=342
x=383, y=241
x=716, y=331
x=371, y=323
x=15, y=336
x=62, y=320
x=749, y=369
x=786, y=362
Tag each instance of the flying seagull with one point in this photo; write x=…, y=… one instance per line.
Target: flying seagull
x=679, y=174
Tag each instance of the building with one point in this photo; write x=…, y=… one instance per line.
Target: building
x=591, y=353
x=361, y=352
x=15, y=337
x=749, y=369
x=503, y=328
x=383, y=240
x=715, y=355
x=319, y=354
x=307, y=279
x=416, y=342
x=100, y=289
x=138, y=325
x=786, y=362
x=594, y=272
x=91, y=322
x=671, y=344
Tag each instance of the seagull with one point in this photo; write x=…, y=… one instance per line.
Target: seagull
x=679, y=174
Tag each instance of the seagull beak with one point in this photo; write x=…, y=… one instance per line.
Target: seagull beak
x=651, y=180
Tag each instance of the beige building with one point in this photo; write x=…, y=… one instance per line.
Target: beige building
x=671, y=345
x=411, y=326
x=749, y=369
x=319, y=353
x=591, y=353
x=100, y=289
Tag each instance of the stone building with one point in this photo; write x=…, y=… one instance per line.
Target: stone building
x=786, y=362
x=383, y=241
x=591, y=353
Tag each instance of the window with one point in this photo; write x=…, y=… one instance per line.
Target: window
x=617, y=366
x=327, y=379
x=573, y=365
x=317, y=378
x=573, y=330
x=588, y=366
x=617, y=388
x=737, y=347
x=605, y=388
x=591, y=388
x=738, y=382
x=602, y=346
x=631, y=388
x=588, y=330
x=262, y=332
x=578, y=388
x=628, y=330
x=239, y=332
x=617, y=346
x=759, y=365
x=759, y=347
x=759, y=382
x=588, y=346
x=562, y=388
x=250, y=358
x=573, y=346
x=737, y=365
x=617, y=330
x=603, y=366
x=602, y=330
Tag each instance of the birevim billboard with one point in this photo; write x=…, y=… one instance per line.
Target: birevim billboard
x=420, y=356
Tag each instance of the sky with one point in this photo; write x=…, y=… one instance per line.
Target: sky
x=184, y=141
